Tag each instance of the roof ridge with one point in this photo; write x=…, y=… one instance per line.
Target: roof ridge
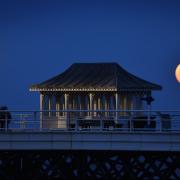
x=96, y=63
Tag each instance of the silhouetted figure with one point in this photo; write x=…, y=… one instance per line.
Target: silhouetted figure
x=5, y=117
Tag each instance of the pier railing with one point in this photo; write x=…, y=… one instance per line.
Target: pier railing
x=85, y=120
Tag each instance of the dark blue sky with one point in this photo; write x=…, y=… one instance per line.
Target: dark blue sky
x=41, y=38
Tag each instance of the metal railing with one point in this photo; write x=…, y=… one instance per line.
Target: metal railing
x=85, y=120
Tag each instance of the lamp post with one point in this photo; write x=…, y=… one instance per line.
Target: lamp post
x=149, y=99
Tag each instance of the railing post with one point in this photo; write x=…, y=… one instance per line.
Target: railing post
x=149, y=116
x=41, y=120
x=117, y=103
x=67, y=120
x=130, y=123
x=90, y=104
x=160, y=124
x=76, y=122
x=6, y=121
x=35, y=118
x=101, y=123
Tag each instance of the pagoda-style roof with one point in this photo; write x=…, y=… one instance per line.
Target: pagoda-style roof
x=95, y=77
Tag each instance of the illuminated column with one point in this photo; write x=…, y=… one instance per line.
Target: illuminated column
x=57, y=113
x=116, y=104
x=41, y=108
x=90, y=103
x=99, y=102
x=87, y=104
x=57, y=105
x=110, y=105
x=63, y=104
x=66, y=108
x=49, y=103
x=94, y=105
x=65, y=101
x=41, y=101
x=105, y=104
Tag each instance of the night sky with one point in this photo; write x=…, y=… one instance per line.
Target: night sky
x=41, y=38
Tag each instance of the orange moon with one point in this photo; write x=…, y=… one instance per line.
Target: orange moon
x=177, y=73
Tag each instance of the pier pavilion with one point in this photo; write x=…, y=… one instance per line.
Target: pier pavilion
x=101, y=153
x=92, y=87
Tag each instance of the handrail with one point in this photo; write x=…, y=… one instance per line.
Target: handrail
x=102, y=120
x=85, y=110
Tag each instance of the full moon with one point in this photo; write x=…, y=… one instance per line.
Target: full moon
x=177, y=73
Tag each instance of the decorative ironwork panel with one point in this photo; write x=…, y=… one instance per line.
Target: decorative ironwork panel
x=39, y=165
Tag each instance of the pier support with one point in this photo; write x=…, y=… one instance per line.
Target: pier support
x=89, y=165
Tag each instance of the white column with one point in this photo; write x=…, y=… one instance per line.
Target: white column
x=41, y=101
x=82, y=104
x=57, y=114
x=99, y=104
x=95, y=105
x=63, y=104
x=65, y=101
x=79, y=101
x=103, y=104
x=41, y=108
x=90, y=103
x=117, y=105
x=49, y=104
x=66, y=108
x=57, y=105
